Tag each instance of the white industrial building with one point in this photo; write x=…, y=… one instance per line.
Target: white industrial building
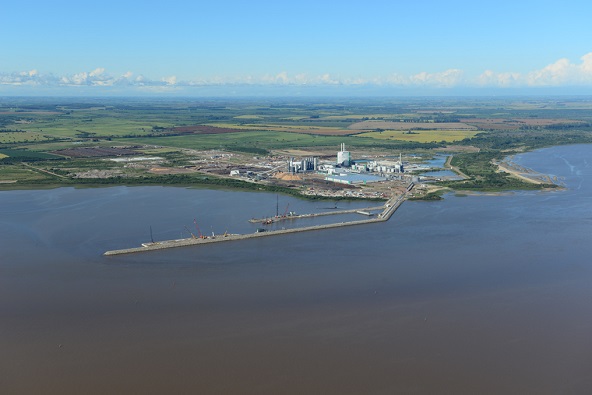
x=302, y=165
x=343, y=157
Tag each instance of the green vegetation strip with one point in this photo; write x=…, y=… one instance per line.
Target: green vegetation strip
x=484, y=174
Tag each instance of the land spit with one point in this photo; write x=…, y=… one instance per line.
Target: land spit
x=388, y=210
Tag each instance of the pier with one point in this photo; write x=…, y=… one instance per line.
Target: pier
x=271, y=220
x=388, y=210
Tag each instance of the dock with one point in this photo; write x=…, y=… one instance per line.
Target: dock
x=270, y=220
x=388, y=210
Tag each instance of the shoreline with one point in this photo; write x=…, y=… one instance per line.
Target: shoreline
x=507, y=165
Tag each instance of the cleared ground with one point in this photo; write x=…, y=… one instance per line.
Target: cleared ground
x=92, y=152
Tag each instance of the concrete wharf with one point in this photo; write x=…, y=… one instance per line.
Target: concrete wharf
x=388, y=210
x=312, y=215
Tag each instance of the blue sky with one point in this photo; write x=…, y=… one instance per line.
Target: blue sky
x=196, y=47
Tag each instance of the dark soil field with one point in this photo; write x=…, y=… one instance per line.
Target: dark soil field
x=95, y=152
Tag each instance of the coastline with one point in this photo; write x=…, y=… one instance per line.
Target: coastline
x=526, y=174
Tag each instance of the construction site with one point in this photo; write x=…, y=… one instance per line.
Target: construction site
x=373, y=214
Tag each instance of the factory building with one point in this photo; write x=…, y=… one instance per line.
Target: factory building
x=353, y=178
x=343, y=157
x=302, y=165
x=386, y=166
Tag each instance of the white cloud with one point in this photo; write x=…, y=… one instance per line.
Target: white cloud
x=172, y=80
x=490, y=78
x=447, y=78
x=586, y=66
x=559, y=73
x=30, y=73
x=96, y=72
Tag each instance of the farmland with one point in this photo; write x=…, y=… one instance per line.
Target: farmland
x=22, y=137
x=389, y=125
x=72, y=141
x=422, y=136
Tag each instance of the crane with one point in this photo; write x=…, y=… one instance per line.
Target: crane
x=286, y=211
x=192, y=235
x=201, y=236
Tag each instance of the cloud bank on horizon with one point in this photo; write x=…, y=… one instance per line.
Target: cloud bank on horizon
x=309, y=46
x=561, y=73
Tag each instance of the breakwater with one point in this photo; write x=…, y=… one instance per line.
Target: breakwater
x=388, y=210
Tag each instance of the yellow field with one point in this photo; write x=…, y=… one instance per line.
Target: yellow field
x=249, y=117
x=297, y=118
x=422, y=136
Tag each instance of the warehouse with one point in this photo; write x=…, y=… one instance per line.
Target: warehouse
x=351, y=179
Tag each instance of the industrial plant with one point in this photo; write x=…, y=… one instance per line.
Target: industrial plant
x=347, y=170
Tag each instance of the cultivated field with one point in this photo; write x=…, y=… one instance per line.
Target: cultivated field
x=95, y=152
x=91, y=125
x=386, y=125
x=21, y=137
x=184, y=133
x=422, y=136
x=516, y=123
x=319, y=130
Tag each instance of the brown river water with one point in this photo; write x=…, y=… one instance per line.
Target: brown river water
x=469, y=295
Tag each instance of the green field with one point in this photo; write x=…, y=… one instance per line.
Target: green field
x=73, y=127
x=21, y=174
x=268, y=140
x=422, y=136
x=258, y=139
x=21, y=137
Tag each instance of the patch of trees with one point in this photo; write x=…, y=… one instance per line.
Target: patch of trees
x=531, y=139
x=85, y=135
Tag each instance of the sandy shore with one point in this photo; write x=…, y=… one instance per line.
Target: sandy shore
x=524, y=173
